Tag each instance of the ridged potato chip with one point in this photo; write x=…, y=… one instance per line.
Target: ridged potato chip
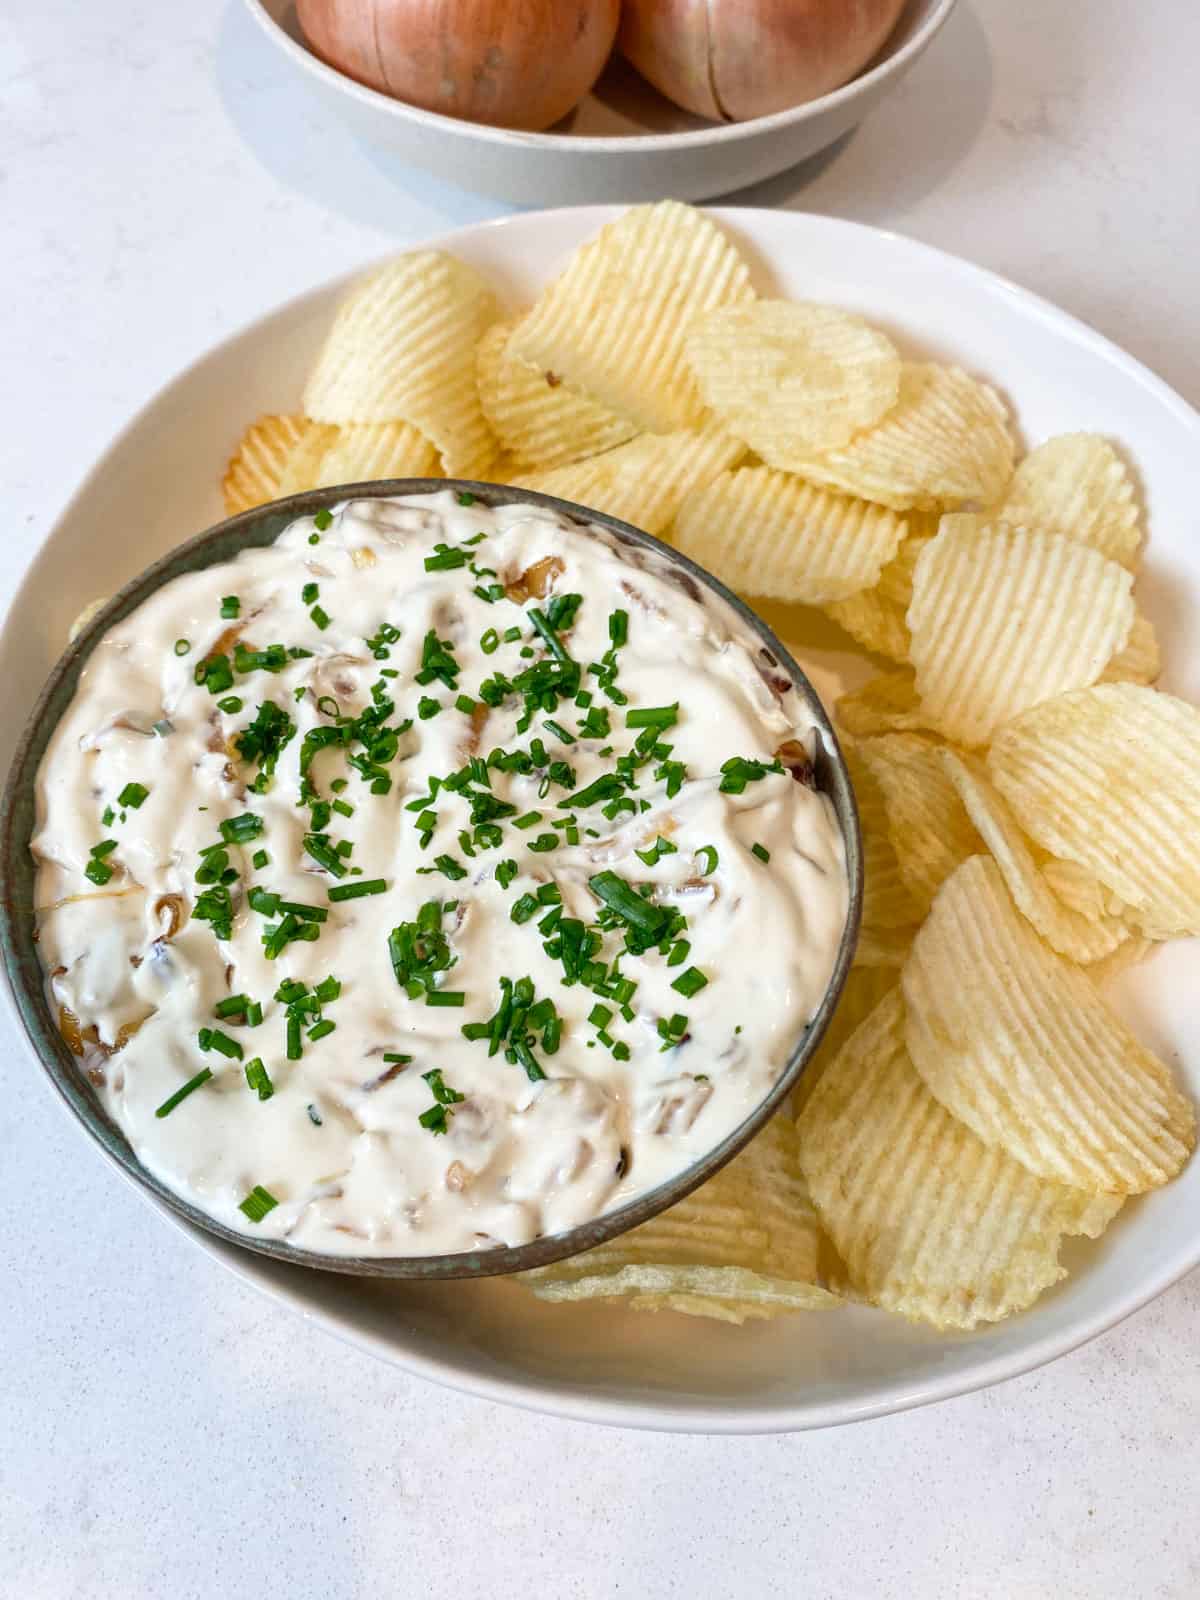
x=930, y=830
x=746, y=1244
x=1109, y=777
x=789, y=378
x=539, y=421
x=302, y=464
x=1138, y=660
x=1069, y=932
x=1018, y=1044
x=402, y=349
x=1076, y=484
x=888, y=902
x=878, y=618
x=770, y=534
x=946, y=441
x=886, y=704
x=365, y=450
x=1130, y=954
x=1004, y=618
x=883, y=947
x=862, y=991
x=252, y=476
x=929, y=1221
x=1080, y=889
x=613, y=325
x=645, y=481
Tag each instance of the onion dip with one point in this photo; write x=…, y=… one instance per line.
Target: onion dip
x=435, y=878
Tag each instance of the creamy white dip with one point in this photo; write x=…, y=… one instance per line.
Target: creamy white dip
x=356, y=1116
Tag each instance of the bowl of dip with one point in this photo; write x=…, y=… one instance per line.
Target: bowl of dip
x=426, y=880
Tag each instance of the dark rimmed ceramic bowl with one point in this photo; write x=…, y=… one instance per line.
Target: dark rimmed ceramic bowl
x=27, y=978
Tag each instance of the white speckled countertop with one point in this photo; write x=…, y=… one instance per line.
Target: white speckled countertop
x=167, y=1431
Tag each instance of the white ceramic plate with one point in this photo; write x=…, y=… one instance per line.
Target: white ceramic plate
x=624, y=142
x=158, y=484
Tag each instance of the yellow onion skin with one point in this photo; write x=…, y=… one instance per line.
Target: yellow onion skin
x=507, y=63
x=737, y=59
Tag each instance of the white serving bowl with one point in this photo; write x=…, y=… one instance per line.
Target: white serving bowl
x=160, y=479
x=624, y=142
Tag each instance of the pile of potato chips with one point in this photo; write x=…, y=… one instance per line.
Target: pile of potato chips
x=1029, y=804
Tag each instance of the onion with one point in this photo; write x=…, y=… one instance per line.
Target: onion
x=735, y=59
x=509, y=63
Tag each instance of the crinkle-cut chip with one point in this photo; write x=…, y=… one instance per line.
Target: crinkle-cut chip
x=1017, y=1043
x=252, y=476
x=1080, y=889
x=745, y=1244
x=790, y=378
x=1006, y=618
x=945, y=442
x=362, y=451
x=539, y=421
x=402, y=349
x=92, y=609
x=613, y=325
x=872, y=621
x=930, y=830
x=862, y=991
x=1076, y=484
x=1109, y=777
x=1069, y=932
x=928, y=1220
x=883, y=947
x=302, y=465
x=886, y=704
x=771, y=534
x=645, y=481
x=1138, y=660
x=1130, y=954
x=878, y=617
x=888, y=902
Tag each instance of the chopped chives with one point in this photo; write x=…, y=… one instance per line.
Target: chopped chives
x=445, y=997
x=343, y=808
x=761, y=851
x=259, y=1079
x=182, y=646
x=231, y=606
x=294, y=1048
x=259, y=1201
x=230, y=703
x=322, y=1030
x=690, y=982
x=465, y=497
x=506, y=871
x=529, y=820
x=320, y=616
x=132, y=795
x=241, y=829
x=98, y=872
x=233, y=1005
x=309, y=593
x=357, y=891
x=173, y=1100
x=559, y=732
x=489, y=642
x=215, y=1039
x=260, y=859
x=322, y=519
x=653, y=716
x=395, y=1058
x=428, y=707
x=708, y=853
x=318, y=847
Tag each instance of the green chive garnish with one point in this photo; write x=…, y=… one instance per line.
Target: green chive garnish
x=182, y=646
x=323, y=519
x=259, y=1079
x=690, y=982
x=172, y=1101
x=259, y=1201
x=357, y=891
x=761, y=851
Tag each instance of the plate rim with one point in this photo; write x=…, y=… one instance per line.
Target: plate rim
x=719, y=133
x=545, y=1396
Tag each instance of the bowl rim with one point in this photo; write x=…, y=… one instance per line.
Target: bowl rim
x=885, y=64
x=26, y=978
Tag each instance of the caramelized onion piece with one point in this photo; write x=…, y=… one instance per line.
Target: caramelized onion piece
x=536, y=582
x=792, y=755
